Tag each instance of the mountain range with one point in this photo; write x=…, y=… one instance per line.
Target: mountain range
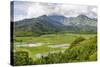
x=47, y=24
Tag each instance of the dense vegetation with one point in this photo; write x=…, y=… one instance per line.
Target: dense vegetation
x=80, y=50
x=85, y=51
x=22, y=58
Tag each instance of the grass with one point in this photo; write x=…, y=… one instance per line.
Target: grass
x=35, y=50
x=53, y=39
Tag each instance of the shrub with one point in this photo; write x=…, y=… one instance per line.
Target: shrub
x=76, y=41
x=21, y=58
x=93, y=57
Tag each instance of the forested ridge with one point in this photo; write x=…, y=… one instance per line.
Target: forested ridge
x=54, y=24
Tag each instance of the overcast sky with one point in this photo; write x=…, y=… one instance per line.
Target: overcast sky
x=27, y=9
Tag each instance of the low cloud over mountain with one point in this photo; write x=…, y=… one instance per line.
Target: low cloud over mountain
x=27, y=9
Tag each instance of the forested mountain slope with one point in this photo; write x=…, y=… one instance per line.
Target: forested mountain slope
x=54, y=24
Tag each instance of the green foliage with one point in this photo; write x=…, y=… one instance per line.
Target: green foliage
x=93, y=57
x=84, y=51
x=76, y=41
x=21, y=58
x=30, y=61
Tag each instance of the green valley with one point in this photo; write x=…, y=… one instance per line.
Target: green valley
x=51, y=44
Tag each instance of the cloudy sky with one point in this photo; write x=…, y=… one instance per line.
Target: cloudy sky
x=27, y=9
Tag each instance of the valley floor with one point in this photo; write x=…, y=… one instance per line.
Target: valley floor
x=45, y=44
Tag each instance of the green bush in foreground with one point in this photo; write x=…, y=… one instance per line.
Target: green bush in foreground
x=93, y=57
x=76, y=41
x=22, y=58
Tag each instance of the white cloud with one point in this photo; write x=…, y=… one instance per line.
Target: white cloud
x=30, y=9
x=35, y=10
x=19, y=17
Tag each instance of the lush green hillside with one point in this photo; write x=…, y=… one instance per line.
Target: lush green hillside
x=80, y=20
x=54, y=24
x=37, y=26
x=85, y=50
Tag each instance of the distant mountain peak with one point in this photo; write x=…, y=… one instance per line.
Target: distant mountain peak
x=82, y=16
x=56, y=17
x=43, y=16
